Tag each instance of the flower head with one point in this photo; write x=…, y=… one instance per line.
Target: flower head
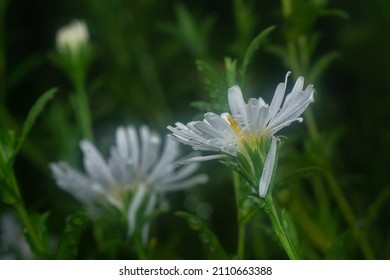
x=72, y=37
x=245, y=138
x=138, y=170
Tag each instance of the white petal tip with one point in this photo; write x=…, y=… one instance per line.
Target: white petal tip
x=234, y=88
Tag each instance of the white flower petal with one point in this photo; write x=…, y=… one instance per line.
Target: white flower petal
x=164, y=165
x=150, y=149
x=180, y=173
x=238, y=107
x=298, y=86
x=208, y=130
x=268, y=169
x=252, y=113
x=119, y=161
x=292, y=110
x=220, y=124
x=119, y=166
x=95, y=165
x=121, y=142
x=193, y=135
x=74, y=182
x=202, y=158
x=185, y=184
x=134, y=147
x=148, y=210
x=133, y=208
x=278, y=98
x=262, y=117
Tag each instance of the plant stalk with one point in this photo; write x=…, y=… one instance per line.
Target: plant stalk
x=270, y=209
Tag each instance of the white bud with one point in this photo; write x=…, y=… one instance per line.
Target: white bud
x=72, y=36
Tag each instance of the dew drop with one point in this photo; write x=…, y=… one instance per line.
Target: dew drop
x=216, y=142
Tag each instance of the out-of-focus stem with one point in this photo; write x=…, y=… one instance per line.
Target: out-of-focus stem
x=349, y=216
x=279, y=230
x=26, y=221
x=241, y=224
x=83, y=110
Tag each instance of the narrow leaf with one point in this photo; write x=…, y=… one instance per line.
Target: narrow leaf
x=7, y=195
x=41, y=246
x=70, y=237
x=321, y=64
x=289, y=227
x=206, y=235
x=211, y=79
x=32, y=116
x=254, y=45
x=337, y=13
x=215, y=84
x=256, y=201
x=231, y=71
x=7, y=141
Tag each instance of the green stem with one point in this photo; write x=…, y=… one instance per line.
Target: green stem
x=293, y=58
x=82, y=110
x=349, y=216
x=302, y=64
x=30, y=230
x=241, y=224
x=280, y=232
x=26, y=221
x=140, y=250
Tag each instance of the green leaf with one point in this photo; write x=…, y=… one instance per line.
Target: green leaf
x=340, y=247
x=191, y=31
x=70, y=237
x=7, y=195
x=215, y=85
x=231, y=71
x=23, y=69
x=256, y=201
x=278, y=51
x=40, y=227
x=382, y=200
x=206, y=235
x=254, y=45
x=336, y=12
x=289, y=227
x=321, y=64
x=299, y=173
x=7, y=143
x=32, y=116
x=211, y=79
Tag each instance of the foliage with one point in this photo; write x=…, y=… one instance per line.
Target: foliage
x=331, y=188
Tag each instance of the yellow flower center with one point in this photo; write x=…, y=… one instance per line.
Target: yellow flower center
x=235, y=126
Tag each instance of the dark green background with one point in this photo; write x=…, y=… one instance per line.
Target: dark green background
x=144, y=72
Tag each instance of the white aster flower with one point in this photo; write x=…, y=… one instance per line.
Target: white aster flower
x=245, y=139
x=138, y=170
x=72, y=37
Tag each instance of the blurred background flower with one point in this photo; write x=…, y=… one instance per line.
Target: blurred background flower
x=130, y=184
x=72, y=37
x=13, y=244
